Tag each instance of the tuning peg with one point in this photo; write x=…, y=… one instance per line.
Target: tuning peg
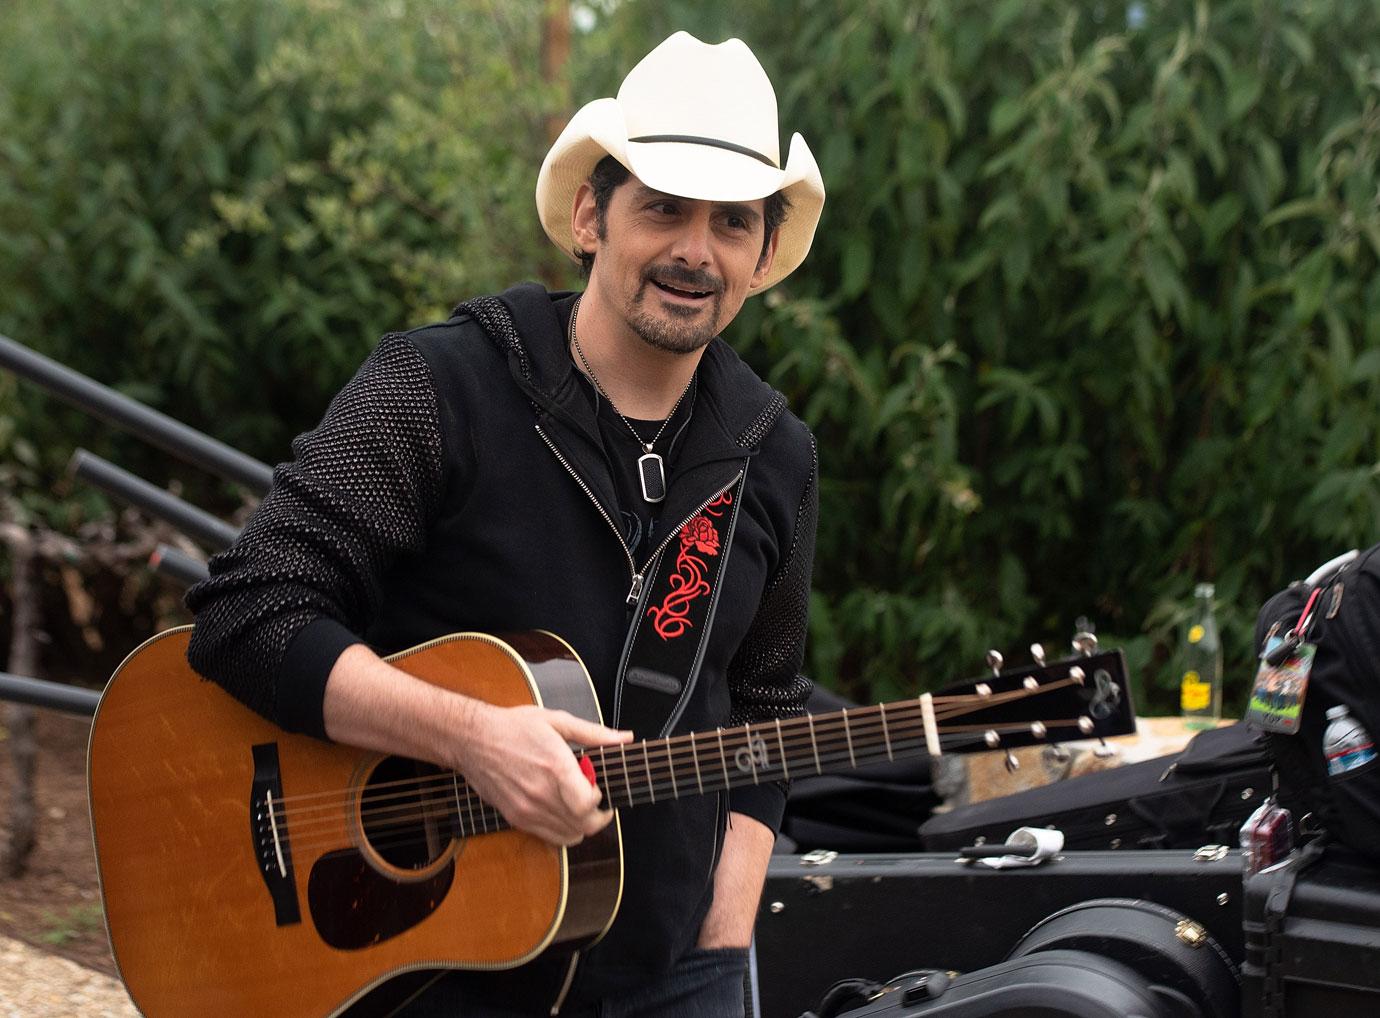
x=1059, y=753
x=1077, y=674
x=1038, y=729
x=1030, y=682
x=1037, y=652
x=1085, y=725
x=991, y=737
x=1012, y=764
x=994, y=660
x=1085, y=643
x=1103, y=750
x=982, y=689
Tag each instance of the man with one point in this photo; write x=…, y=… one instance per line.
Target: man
x=530, y=464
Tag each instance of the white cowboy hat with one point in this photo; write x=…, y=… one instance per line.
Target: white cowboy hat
x=692, y=120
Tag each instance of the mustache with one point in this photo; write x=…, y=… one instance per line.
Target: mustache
x=683, y=278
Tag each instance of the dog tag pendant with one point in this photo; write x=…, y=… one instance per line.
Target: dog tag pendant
x=652, y=472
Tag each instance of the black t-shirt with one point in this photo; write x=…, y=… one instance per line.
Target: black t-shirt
x=622, y=451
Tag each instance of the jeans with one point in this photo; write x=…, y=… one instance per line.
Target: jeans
x=706, y=983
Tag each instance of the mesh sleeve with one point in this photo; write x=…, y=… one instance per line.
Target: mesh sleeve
x=361, y=490
x=764, y=677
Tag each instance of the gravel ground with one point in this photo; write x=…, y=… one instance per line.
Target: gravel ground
x=38, y=985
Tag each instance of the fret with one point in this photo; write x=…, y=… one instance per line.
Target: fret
x=848, y=734
x=728, y=783
x=671, y=762
x=785, y=769
x=813, y=744
x=751, y=755
x=647, y=766
x=886, y=735
x=695, y=755
x=627, y=782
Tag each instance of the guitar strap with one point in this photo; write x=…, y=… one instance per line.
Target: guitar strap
x=670, y=629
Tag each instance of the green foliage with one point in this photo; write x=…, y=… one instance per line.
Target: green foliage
x=1093, y=313
x=219, y=207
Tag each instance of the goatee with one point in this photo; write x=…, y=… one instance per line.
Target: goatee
x=681, y=328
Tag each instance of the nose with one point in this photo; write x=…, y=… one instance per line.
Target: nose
x=692, y=244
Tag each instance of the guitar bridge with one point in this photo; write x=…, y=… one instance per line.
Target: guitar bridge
x=268, y=829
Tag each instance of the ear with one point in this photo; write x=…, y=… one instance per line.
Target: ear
x=584, y=220
x=764, y=263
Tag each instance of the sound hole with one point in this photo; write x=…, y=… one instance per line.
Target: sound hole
x=407, y=812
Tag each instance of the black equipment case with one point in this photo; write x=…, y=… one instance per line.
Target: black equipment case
x=1313, y=937
x=825, y=918
x=1201, y=795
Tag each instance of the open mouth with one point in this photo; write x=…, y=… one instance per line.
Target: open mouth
x=675, y=291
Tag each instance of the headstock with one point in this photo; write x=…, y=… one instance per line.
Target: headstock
x=1085, y=696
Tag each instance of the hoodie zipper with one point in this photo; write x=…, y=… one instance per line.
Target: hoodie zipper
x=638, y=576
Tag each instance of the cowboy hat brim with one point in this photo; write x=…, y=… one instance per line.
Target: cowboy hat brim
x=688, y=169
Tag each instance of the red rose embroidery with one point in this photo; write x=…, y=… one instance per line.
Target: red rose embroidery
x=701, y=533
x=699, y=537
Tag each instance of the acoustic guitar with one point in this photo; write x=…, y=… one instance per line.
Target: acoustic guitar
x=246, y=871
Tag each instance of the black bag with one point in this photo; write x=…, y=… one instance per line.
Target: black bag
x=1199, y=796
x=1345, y=627
x=1311, y=928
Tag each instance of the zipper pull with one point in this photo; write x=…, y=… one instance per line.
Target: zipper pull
x=634, y=592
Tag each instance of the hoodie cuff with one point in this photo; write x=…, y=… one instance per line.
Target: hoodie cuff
x=764, y=803
x=302, y=678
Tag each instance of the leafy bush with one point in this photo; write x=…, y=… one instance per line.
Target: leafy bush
x=1093, y=313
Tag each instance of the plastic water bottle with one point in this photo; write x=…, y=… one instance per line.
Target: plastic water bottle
x=1346, y=743
x=1200, y=690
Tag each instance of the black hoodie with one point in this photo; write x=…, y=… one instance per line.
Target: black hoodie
x=459, y=482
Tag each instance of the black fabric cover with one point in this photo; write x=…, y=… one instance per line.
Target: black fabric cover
x=876, y=808
x=1186, y=800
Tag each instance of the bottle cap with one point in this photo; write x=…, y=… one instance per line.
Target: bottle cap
x=1339, y=711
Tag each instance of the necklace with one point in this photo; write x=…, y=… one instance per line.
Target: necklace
x=651, y=468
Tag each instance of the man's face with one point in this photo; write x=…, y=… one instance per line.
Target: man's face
x=677, y=270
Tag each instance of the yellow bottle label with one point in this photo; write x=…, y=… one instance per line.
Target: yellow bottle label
x=1195, y=634
x=1194, y=694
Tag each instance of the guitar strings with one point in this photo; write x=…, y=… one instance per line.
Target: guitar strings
x=944, y=707
x=442, y=811
x=412, y=810
x=659, y=756
x=858, y=724
x=666, y=763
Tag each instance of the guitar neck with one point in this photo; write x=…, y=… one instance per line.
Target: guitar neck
x=1077, y=699
x=656, y=770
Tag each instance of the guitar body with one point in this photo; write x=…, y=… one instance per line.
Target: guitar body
x=241, y=875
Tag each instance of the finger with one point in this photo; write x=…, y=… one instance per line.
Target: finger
x=597, y=821
x=578, y=795
x=586, y=733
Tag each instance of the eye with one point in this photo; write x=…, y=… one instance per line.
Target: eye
x=663, y=206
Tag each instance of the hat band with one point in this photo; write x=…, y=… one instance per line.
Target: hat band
x=692, y=139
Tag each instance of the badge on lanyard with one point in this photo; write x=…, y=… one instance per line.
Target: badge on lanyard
x=1281, y=682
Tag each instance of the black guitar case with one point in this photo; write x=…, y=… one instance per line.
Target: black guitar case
x=1107, y=958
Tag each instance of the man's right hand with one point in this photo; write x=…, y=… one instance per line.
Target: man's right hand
x=518, y=759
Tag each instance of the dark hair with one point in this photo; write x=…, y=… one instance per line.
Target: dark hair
x=609, y=175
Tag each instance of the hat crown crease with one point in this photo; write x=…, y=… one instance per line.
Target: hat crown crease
x=690, y=88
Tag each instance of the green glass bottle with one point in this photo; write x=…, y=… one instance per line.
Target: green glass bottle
x=1200, y=689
